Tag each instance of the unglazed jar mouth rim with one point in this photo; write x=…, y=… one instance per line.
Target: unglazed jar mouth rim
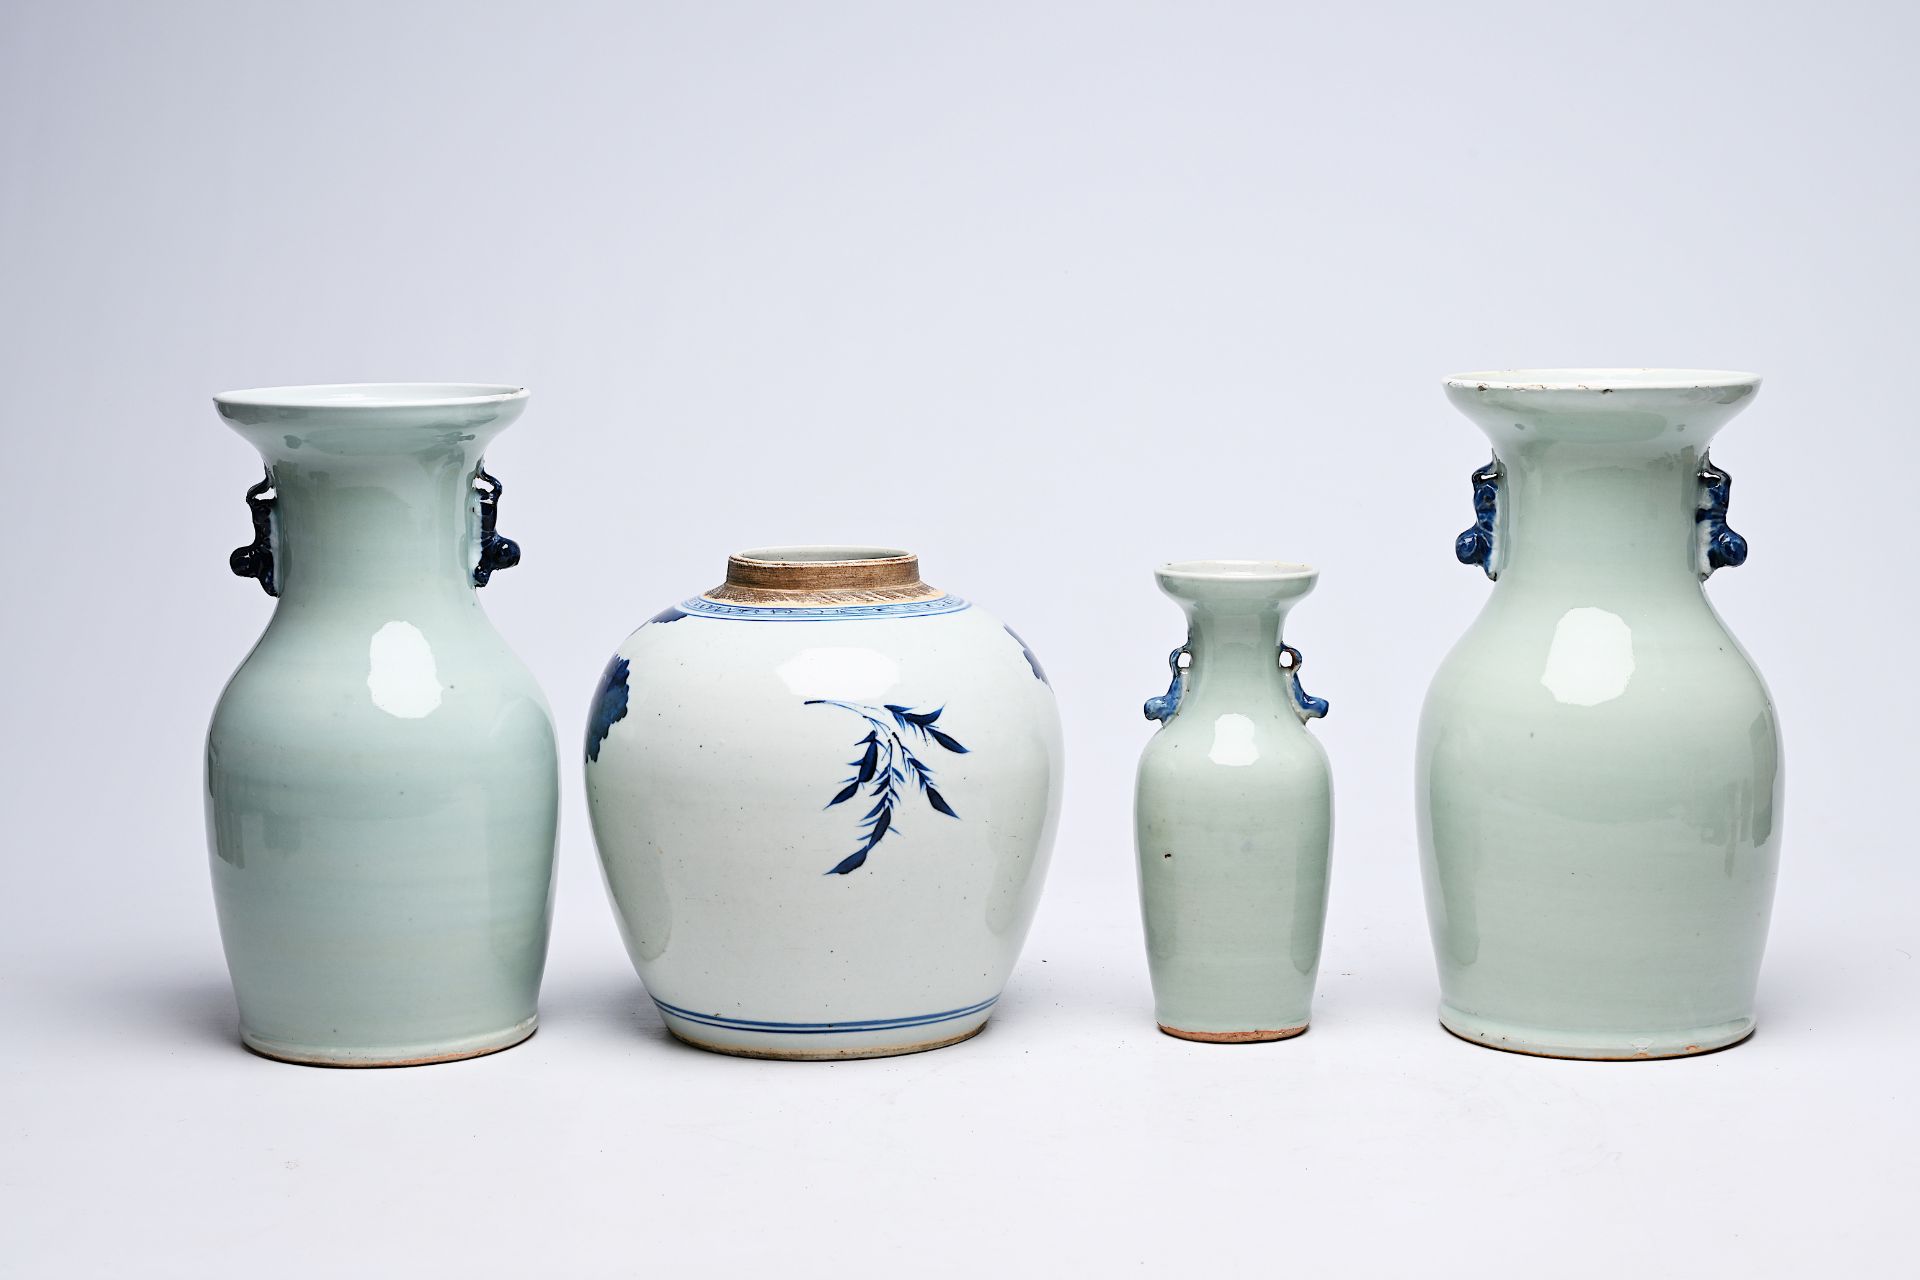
x=1237, y=570
x=1608, y=380
x=823, y=575
x=823, y=556
x=336, y=396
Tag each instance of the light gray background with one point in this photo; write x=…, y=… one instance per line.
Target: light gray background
x=1047, y=293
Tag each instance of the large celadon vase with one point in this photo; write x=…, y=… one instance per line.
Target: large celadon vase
x=1599, y=775
x=381, y=774
x=1233, y=812
x=824, y=794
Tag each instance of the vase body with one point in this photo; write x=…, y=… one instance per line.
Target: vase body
x=1599, y=775
x=1233, y=813
x=381, y=775
x=824, y=796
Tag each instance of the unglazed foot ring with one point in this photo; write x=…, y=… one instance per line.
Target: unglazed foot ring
x=1233, y=1037
x=826, y=1055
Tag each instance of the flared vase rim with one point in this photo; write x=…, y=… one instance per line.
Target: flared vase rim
x=1602, y=381
x=1222, y=571
x=346, y=397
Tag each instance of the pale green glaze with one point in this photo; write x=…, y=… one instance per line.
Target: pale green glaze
x=1599, y=774
x=381, y=771
x=1233, y=816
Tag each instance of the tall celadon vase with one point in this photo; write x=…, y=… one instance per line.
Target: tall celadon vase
x=1599, y=779
x=824, y=794
x=1233, y=812
x=381, y=775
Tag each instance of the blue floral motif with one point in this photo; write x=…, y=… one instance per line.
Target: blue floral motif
x=609, y=705
x=672, y=613
x=1725, y=549
x=885, y=767
x=1027, y=651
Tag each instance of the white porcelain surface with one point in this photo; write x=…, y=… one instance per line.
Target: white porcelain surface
x=726, y=736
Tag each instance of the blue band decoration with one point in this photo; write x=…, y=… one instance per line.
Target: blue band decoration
x=1721, y=547
x=1164, y=706
x=701, y=607
x=1305, y=705
x=1475, y=546
x=496, y=552
x=824, y=1028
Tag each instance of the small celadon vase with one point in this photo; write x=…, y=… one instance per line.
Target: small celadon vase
x=381, y=773
x=1598, y=774
x=824, y=794
x=1233, y=812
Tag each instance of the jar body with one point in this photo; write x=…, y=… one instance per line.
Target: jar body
x=1598, y=771
x=740, y=762
x=381, y=772
x=1233, y=821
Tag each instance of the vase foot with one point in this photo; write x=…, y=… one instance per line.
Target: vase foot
x=1233, y=1037
x=1546, y=1042
x=778, y=1054
x=308, y=1055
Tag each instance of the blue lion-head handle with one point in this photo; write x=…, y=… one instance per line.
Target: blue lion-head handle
x=497, y=551
x=1475, y=546
x=1163, y=707
x=1305, y=705
x=1720, y=546
x=255, y=560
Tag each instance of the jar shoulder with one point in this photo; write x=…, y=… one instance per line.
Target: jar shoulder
x=968, y=653
x=696, y=693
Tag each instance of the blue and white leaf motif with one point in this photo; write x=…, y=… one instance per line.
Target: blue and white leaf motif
x=609, y=705
x=886, y=770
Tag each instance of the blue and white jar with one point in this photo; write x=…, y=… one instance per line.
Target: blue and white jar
x=824, y=795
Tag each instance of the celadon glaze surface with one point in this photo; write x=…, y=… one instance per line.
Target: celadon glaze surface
x=824, y=810
x=381, y=774
x=1233, y=812
x=1599, y=773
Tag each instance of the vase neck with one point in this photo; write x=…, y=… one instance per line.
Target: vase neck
x=1596, y=515
x=373, y=528
x=1235, y=653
